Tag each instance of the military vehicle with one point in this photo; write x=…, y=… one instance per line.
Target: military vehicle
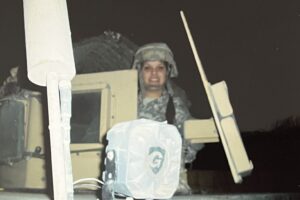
x=100, y=100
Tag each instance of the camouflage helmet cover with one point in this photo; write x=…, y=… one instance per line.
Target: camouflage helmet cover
x=155, y=51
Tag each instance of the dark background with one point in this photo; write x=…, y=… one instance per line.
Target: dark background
x=251, y=44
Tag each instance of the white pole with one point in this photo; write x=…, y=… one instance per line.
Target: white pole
x=50, y=63
x=56, y=139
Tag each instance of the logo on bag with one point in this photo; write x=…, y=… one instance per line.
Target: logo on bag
x=156, y=158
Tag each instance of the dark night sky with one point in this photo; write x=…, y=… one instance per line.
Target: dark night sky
x=251, y=44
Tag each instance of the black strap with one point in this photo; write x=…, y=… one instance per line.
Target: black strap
x=170, y=112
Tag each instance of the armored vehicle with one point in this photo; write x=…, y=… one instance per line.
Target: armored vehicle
x=102, y=96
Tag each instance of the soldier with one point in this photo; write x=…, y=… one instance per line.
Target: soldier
x=160, y=99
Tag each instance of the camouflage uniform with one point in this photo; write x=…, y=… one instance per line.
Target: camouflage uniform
x=157, y=109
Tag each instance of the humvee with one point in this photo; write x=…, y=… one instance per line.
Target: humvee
x=100, y=101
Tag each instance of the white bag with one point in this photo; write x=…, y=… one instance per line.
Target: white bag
x=148, y=155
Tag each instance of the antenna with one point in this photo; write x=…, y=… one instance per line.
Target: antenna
x=220, y=105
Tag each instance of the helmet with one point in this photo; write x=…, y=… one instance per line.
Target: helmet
x=155, y=51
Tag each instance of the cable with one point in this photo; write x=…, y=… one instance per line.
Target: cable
x=91, y=186
x=88, y=179
x=88, y=185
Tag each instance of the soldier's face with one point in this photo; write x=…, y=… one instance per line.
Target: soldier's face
x=154, y=74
